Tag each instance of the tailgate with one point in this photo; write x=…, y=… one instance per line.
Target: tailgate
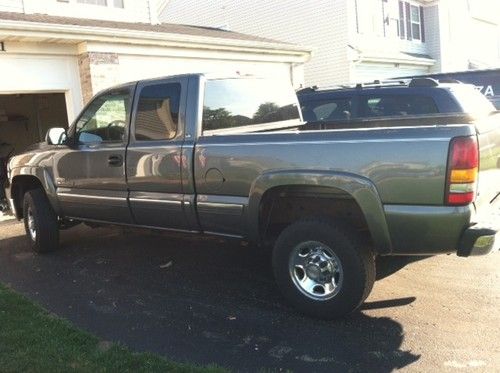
x=489, y=164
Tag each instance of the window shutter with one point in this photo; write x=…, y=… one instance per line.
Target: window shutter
x=422, y=28
x=408, y=21
x=401, y=20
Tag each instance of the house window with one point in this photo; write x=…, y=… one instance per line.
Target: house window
x=94, y=2
x=415, y=21
x=411, y=21
x=112, y=3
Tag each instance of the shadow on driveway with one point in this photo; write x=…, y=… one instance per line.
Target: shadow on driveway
x=198, y=300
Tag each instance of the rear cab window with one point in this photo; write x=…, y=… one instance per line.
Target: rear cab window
x=242, y=105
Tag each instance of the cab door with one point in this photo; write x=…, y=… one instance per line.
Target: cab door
x=90, y=172
x=154, y=159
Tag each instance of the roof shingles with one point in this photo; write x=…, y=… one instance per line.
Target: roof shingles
x=160, y=28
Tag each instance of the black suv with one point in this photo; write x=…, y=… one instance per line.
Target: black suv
x=368, y=104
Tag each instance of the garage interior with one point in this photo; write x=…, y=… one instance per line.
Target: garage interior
x=25, y=119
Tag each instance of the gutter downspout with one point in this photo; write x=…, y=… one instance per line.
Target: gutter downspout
x=153, y=12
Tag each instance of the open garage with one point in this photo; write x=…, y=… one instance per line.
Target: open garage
x=25, y=118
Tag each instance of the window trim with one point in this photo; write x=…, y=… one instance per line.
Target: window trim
x=110, y=4
x=83, y=2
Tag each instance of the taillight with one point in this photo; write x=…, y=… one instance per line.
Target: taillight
x=463, y=165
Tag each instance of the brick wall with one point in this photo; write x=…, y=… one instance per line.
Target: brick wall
x=98, y=71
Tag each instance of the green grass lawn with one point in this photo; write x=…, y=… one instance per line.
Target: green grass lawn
x=32, y=340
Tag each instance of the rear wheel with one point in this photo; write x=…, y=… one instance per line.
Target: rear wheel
x=40, y=222
x=322, y=269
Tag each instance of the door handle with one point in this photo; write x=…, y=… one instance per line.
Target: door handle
x=115, y=160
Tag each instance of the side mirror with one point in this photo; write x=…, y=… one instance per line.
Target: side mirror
x=55, y=136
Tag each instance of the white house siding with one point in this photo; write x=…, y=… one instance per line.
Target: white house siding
x=133, y=11
x=297, y=22
x=471, y=37
x=369, y=71
x=11, y=5
x=432, y=35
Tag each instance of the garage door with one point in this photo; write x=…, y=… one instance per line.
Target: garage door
x=36, y=74
x=25, y=118
x=366, y=72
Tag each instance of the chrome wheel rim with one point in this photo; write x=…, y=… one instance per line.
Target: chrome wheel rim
x=316, y=270
x=31, y=225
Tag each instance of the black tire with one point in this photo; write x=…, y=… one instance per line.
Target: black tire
x=357, y=268
x=44, y=219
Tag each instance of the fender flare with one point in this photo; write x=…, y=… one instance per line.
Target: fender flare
x=45, y=179
x=362, y=190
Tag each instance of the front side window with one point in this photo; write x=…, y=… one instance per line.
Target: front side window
x=105, y=119
x=157, y=115
x=243, y=103
x=402, y=105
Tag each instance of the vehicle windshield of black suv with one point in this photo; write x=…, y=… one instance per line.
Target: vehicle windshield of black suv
x=248, y=105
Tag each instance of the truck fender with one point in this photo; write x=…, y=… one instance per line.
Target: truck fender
x=361, y=189
x=43, y=177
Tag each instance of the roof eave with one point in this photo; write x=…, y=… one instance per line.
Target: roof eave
x=398, y=59
x=77, y=33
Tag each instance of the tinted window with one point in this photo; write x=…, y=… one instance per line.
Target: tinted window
x=384, y=106
x=158, y=112
x=327, y=110
x=105, y=119
x=232, y=103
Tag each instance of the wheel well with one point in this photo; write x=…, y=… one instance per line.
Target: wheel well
x=281, y=206
x=20, y=185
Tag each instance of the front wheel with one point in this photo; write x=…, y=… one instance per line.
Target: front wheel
x=322, y=269
x=40, y=222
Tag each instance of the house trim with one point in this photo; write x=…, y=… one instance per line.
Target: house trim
x=35, y=31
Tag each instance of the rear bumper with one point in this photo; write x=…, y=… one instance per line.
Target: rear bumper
x=483, y=237
x=478, y=241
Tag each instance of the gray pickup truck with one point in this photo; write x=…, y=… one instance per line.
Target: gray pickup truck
x=231, y=156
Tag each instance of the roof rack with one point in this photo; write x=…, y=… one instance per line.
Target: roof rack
x=410, y=82
x=381, y=83
x=423, y=82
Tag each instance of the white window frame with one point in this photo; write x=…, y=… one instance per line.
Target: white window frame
x=110, y=4
x=419, y=23
x=405, y=23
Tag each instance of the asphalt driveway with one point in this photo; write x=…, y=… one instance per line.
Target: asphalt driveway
x=214, y=301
